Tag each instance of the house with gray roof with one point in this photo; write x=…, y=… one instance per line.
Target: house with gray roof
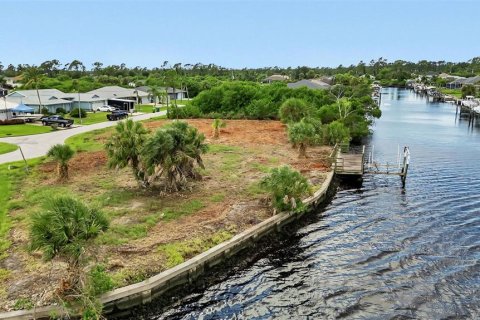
x=310, y=83
x=52, y=99
x=173, y=93
x=458, y=83
x=276, y=77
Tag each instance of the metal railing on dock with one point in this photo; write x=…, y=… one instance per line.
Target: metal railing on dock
x=348, y=162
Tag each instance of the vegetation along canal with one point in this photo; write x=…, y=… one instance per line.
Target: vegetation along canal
x=376, y=251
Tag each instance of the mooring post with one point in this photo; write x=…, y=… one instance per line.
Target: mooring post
x=406, y=162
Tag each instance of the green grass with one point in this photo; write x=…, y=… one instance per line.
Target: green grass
x=92, y=118
x=87, y=141
x=146, y=108
x=7, y=147
x=178, y=252
x=457, y=93
x=22, y=130
x=185, y=209
x=9, y=179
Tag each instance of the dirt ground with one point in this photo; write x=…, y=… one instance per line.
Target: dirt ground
x=146, y=224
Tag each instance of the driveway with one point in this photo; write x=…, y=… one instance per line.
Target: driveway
x=38, y=145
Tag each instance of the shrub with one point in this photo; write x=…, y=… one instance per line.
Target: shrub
x=45, y=111
x=294, y=110
x=75, y=113
x=11, y=121
x=64, y=227
x=286, y=187
x=62, y=153
x=99, y=281
x=60, y=111
x=336, y=132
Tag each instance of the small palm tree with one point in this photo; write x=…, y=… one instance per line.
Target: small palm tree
x=303, y=134
x=216, y=125
x=286, y=186
x=172, y=152
x=64, y=228
x=124, y=146
x=61, y=153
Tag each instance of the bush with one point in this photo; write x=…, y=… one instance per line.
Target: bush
x=45, y=111
x=304, y=134
x=11, y=121
x=99, y=281
x=294, y=110
x=75, y=113
x=286, y=186
x=336, y=132
x=60, y=111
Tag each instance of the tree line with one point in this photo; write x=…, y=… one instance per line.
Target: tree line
x=60, y=75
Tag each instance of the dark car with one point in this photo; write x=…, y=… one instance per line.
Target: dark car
x=59, y=120
x=117, y=115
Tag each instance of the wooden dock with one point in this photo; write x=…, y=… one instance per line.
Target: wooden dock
x=351, y=163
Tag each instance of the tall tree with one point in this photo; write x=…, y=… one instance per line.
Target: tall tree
x=32, y=76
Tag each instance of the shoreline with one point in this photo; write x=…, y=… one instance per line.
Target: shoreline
x=124, y=298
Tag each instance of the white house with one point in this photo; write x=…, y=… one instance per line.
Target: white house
x=52, y=99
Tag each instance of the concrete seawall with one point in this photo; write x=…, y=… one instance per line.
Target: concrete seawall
x=147, y=290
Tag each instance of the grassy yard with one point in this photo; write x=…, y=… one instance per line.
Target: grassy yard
x=457, y=93
x=22, y=130
x=146, y=108
x=7, y=147
x=91, y=118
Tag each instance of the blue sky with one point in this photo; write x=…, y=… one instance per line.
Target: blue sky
x=238, y=33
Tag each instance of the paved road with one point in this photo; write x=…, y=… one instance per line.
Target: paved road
x=38, y=145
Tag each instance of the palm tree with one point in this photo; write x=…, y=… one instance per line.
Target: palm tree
x=124, y=146
x=303, y=134
x=172, y=152
x=61, y=153
x=63, y=229
x=216, y=125
x=33, y=76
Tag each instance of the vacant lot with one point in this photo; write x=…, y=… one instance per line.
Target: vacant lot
x=151, y=231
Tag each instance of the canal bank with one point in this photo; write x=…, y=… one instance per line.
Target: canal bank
x=120, y=300
x=376, y=250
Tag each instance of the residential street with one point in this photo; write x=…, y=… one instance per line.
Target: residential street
x=34, y=146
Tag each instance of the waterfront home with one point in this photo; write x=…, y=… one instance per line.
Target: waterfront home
x=458, y=83
x=310, y=83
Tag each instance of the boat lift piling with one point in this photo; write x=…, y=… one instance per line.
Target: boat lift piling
x=353, y=163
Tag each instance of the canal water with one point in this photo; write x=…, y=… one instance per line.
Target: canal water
x=377, y=251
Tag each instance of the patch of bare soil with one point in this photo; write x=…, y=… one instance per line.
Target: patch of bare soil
x=225, y=199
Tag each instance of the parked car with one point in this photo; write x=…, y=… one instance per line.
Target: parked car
x=117, y=115
x=56, y=119
x=106, y=108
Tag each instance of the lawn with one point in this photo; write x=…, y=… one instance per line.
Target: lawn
x=146, y=108
x=92, y=118
x=7, y=147
x=457, y=93
x=22, y=130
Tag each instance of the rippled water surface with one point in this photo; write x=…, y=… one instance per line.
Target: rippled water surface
x=376, y=251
